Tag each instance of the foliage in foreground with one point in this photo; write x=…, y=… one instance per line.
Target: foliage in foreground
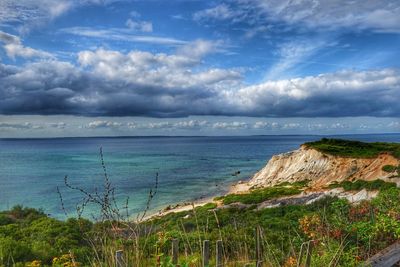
x=344, y=232
x=354, y=149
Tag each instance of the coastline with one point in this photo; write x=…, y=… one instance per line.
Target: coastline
x=238, y=187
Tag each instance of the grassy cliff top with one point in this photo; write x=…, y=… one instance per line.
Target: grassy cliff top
x=354, y=149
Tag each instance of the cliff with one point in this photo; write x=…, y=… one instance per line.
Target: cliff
x=323, y=168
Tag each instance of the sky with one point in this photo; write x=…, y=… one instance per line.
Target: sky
x=195, y=67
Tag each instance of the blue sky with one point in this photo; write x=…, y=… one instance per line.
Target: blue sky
x=92, y=67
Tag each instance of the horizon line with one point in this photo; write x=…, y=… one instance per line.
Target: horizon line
x=186, y=136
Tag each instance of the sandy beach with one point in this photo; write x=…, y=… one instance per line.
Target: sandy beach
x=239, y=187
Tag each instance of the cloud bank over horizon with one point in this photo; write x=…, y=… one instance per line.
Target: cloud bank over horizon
x=263, y=60
x=109, y=83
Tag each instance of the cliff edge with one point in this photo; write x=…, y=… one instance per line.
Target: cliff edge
x=314, y=162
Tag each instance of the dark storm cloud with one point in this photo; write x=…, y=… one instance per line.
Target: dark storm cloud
x=109, y=83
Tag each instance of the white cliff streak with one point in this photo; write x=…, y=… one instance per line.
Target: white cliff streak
x=321, y=169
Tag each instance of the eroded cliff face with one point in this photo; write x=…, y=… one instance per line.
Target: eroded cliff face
x=321, y=169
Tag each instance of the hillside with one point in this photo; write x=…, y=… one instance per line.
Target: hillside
x=331, y=160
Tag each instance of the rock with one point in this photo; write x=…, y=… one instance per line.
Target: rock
x=322, y=169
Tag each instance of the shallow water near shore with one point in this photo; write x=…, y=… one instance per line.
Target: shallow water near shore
x=189, y=168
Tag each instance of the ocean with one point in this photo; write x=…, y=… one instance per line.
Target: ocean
x=189, y=168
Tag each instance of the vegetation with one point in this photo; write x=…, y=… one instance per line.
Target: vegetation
x=389, y=168
x=256, y=196
x=354, y=149
x=28, y=234
x=342, y=232
x=392, y=169
x=361, y=184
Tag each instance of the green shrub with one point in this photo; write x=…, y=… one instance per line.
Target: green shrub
x=355, y=149
x=389, y=168
x=256, y=196
x=362, y=184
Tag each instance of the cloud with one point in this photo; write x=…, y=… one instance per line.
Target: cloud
x=342, y=14
x=24, y=15
x=9, y=38
x=200, y=48
x=343, y=93
x=219, y=12
x=111, y=82
x=103, y=124
x=121, y=34
x=230, y=125
x=191, y=124
x=19, y=126
x=58, y=125
x=265, y=125
x=14, y=48
x=142, y=26
x=293, y=53
x=137, y=83
x=394, y=125
x=28, y=14
x=379, y=16
x=182, y=125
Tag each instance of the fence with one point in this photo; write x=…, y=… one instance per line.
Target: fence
x=304, y=255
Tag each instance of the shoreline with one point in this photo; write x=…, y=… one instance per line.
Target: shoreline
x=238, y=187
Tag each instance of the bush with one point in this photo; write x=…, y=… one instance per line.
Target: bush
x=389, y=168
x=355, y=149
x=362, y=184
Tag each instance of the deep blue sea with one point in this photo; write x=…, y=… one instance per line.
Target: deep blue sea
x=189, y=167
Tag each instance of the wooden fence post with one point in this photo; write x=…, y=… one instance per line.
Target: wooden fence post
x=386, y=257
x=175, y=251
x=119, y=258
x=309, y=252
x=301, y=254
x=257, y=237
x=219, y=254
x=206, y=253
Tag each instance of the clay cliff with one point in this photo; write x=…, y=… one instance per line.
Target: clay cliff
x=322, y=168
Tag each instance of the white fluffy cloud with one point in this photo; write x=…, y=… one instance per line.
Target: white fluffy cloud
x=14, y=48
x=344, y=93
x=155, y=70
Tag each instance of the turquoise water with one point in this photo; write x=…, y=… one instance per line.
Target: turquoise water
x=189, y=167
